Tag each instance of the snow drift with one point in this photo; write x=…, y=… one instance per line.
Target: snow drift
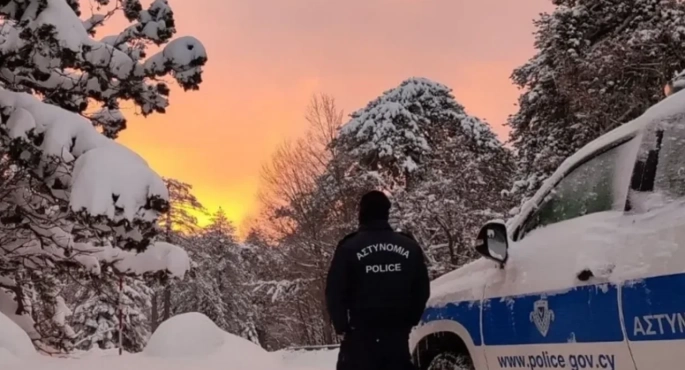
x=194, y=337
x=191, y=334
x=14, y=342
x=315, y=359
x=185, y=342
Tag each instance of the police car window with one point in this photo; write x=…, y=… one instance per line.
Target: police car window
x=587, y=189
x=659, y=175
x=670, y=171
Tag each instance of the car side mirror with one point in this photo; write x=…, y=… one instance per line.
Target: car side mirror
x=493, y=243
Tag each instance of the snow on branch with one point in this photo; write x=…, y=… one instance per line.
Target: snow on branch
x=159, y=256
x=280, y=289
x=38, y=43
x=394, y=131
x=109, y=183
x=108, y=178
x=404, y=110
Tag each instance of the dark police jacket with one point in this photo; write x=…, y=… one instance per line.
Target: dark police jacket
x=378, y=280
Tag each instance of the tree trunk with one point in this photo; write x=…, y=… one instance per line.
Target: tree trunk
x=328, y=336
x=154, y=317
x=304, y=325
x=167, y=287
x=167, y=302
x=121, y=315
x=454, y=259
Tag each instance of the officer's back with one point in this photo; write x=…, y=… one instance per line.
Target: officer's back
x=385, y=268
x=378, y=278
x=376, y=291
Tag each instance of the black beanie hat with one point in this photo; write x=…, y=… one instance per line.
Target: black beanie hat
x=374, y=206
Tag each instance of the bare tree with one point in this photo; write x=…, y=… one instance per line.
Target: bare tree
x=301, y=186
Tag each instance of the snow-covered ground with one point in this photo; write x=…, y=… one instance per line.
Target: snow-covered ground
x=321, y=359
x=185, y=342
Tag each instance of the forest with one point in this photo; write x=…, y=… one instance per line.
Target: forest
x=88, y=256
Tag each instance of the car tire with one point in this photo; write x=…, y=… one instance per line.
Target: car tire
x=450, y=361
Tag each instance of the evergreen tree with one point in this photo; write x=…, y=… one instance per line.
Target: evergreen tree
x=400, y=134
x=183, y=209
x=599, y=64
x=219, y=283
x=71, y=198
x=445, y=169
x=47, y=50
x=103, y=302
x=231, y=274
x=178, y=224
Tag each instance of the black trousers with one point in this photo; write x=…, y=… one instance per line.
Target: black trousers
x=375, y=350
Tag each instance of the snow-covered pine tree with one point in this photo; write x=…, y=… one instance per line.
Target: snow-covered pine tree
x=445, y=169
x=96, y=303
x=48, y=51
x=179, y=223
x=200, y=291
x=71, y=198
x=277, y=288
x=220, y=244
x=95, y=318
x=184, y=207
x=218, y=285
x=398, y=133
x=599, y=64
x=49, y=306
x=243, y=311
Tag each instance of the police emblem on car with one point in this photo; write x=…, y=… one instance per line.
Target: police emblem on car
x=542, y=316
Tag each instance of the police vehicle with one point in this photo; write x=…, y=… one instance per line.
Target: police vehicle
x=589, y=275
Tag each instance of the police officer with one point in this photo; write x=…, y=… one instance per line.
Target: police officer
x=376, y=291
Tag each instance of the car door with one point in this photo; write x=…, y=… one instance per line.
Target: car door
x=651, y=263
x=552, y=305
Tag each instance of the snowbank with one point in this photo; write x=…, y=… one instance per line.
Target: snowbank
x=8, y=307
x=317, y=359
x=191, y=334
x=185, y=342
x=193, y=338
x=14, y=342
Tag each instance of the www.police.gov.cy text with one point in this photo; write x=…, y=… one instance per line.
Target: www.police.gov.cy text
x=547, y=360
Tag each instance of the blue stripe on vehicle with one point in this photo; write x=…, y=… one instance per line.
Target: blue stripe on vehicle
x=654, y=308
x=466, y=313
x=584, y=314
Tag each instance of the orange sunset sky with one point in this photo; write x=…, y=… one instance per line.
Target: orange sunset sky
x=267, y=58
